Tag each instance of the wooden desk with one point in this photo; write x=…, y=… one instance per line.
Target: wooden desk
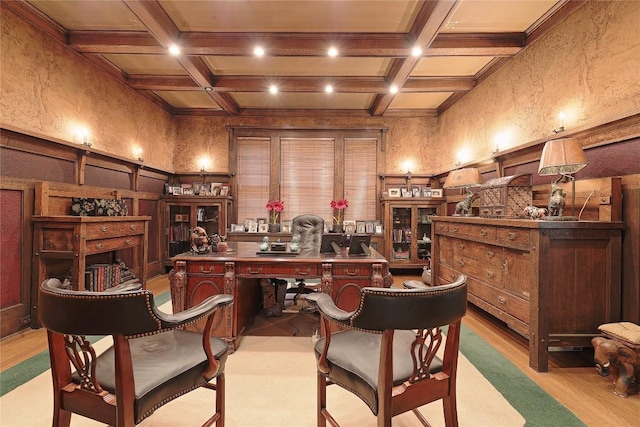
x=239, y=272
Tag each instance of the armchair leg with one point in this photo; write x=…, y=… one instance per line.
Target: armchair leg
x=322, y=399
x=61, y=418
x=450, y=411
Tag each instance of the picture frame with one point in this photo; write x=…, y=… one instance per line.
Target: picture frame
x=177, y=191
x=263, y=227
x=426, y=192
x=378, y=229
x=215, y=190
x=185, y=217
x=370, y=227
x=224, y=190
x=394, y=192
x=253, y=227
x=237, y=228
x=286, y=226
x=188, y=191
x=177, y=218
x=415, y=191
x=436, y=192
x=262, y=221
x=349, y=226
x=406, y=192
x=360, y=227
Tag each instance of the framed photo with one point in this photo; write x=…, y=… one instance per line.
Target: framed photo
x=224, y=190
x=394, y=192
x=349, y=226
x=185, y=217
x=436, y=192
x=406, y=192
x=378, y=229
x=237, y=228
x=415, y=191
x=253, y=227
x=177, y=190
x=361, y=227
x=215, y=190
x=168, y=189
x=286, y=226
x=177, y=217
x=261, y=221
x=369, y=227
x=263, y=227
x=189, y=191
x=426, y=192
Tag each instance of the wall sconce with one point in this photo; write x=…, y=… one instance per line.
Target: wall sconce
x=138, y=153
x=563, y=157
x=407, y=165
x=81, y=136
x=561, y=122
x=464, y=178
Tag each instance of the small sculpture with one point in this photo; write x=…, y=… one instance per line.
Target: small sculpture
x=623, y=363
x=535, y=212
x=556, y=200
x=294, y=243
x=265, y=243
x=463, y=207
x=199, y=241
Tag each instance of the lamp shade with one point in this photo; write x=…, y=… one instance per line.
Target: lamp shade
x=462, y=178
x=562, y=157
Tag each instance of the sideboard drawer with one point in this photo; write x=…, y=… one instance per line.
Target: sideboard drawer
x=114, y=229
x=487, y=272
x=513, y=237
x=479, y=232
x=116, y=243
x=504, y=301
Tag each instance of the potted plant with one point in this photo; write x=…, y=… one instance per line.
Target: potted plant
x=274, y=207
x=338, y=207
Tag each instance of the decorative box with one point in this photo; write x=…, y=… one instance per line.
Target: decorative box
x=83, y=206
x=506, y=197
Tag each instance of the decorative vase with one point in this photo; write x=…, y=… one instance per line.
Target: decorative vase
x=337, y=228
x=274, y=227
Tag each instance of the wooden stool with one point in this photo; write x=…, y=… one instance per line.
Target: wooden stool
x=617, y=353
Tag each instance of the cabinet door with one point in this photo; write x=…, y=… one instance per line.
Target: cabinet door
x=401, y=233
x=423, y=232
x=209, y=217
x=178, y=233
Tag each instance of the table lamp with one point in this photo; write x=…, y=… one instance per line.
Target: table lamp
x=562, y=157
x=464, y=178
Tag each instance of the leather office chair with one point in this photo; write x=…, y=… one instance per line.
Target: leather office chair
x=387, y=357
x=150, y=363
x=310, y=229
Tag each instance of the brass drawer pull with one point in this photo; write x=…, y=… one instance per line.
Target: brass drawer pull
x=256, y=271
x=104, y=228
x=303, y=273
x=352, y=273
x=455, y=229
x=460, y=246
x=511, y=236
x=490, y=274
x=133, y=226
x=502, y=300
x=491, y=254
x=99, y=246
x=208, y=270
x=128, y=241
x=461, y=263
x=483, y=232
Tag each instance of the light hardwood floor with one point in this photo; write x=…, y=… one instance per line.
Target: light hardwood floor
x=572, y=379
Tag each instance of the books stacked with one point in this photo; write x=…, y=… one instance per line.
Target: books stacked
x=100, y=277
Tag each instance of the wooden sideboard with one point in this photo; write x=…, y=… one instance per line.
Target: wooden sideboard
x=553, y=282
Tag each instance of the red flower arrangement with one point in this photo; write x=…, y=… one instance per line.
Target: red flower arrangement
x=339, y=206
x=274, y=207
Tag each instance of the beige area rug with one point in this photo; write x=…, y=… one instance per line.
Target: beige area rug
x=271, y=382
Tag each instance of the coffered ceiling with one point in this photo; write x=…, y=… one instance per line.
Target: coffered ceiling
x=218, y=73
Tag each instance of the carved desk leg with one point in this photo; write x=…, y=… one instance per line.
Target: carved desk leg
x=178, y=286
x=230, y=288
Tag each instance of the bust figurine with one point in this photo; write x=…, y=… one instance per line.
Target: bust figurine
x=199, y=241
x=265, y=243
x=294, y=243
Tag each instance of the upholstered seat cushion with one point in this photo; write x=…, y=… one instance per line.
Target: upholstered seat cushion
x=353, y=357
x=164, y=367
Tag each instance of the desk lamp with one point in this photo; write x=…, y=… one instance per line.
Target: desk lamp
x=562, y=157
x=464, y=178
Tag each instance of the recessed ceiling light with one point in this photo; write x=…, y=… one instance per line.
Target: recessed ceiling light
x=328, y=88
x=416, y=51
x=258, y=51
x=208, y=88
x=393, y=89
x=174, y=50
x=332, y=52
x=273, y=89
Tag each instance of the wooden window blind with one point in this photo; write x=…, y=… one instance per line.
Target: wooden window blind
x=307, y=176
x=360, y=175
x=253, y=177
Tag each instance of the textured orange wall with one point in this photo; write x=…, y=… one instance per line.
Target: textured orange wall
x=48, y=89
x=588, y=67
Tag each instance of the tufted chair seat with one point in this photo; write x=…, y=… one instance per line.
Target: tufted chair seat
x=387, y=356
x=151, y=362
x=310, y=228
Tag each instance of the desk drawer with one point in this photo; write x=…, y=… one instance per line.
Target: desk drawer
x=294, y=270
x=106, y=245
x=114, y=229
x=352, y=270
x=213, y=268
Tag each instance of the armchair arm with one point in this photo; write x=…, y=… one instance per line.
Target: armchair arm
x=195, y=313
x=329, y=309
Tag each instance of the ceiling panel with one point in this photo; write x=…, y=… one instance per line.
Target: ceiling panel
x=450, y=65
x=321, y=101
x=497, y=15
x=419, y=101
x=90, y=14
x=188, y=99
x=147, y=64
